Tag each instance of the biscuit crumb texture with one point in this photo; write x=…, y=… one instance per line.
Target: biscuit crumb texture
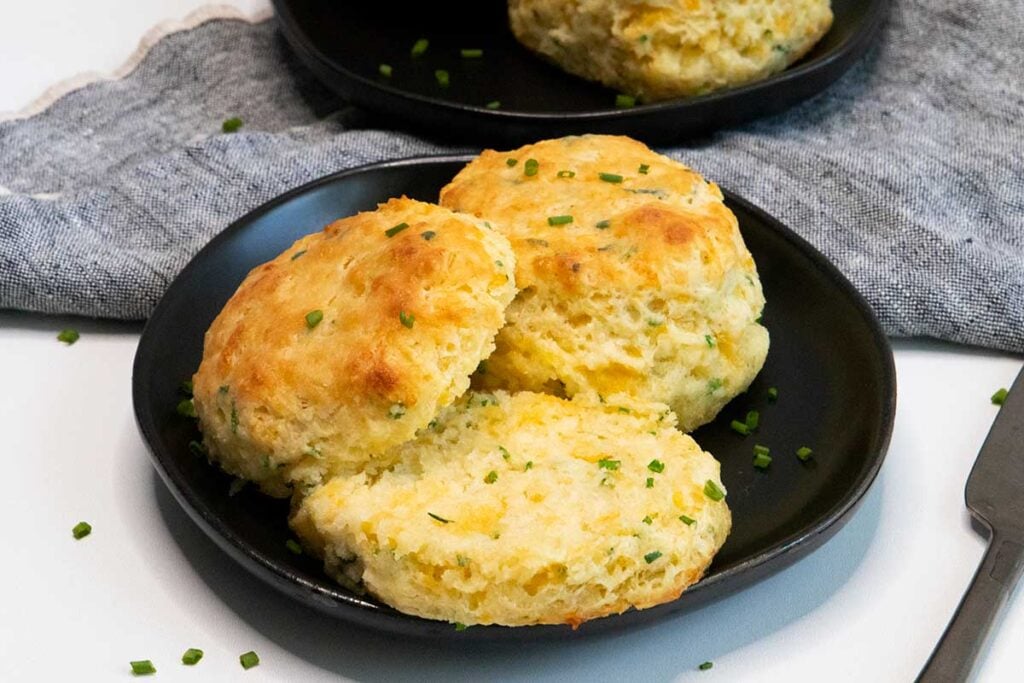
x=525, y=509
x=663, y=49
x=649, y=290
x=350, y=341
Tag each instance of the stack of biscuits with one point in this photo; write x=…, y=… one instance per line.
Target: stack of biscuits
x=479, y=407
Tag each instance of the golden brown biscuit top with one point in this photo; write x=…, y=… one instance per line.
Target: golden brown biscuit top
x=601, y=212
x=341, y=321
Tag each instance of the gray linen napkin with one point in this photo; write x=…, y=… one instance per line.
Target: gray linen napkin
x=908, y=173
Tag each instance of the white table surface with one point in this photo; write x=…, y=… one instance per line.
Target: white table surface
x=147, y=584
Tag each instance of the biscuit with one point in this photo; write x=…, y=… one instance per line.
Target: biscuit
x=349, y=341
x=661, y=49
x=526, y=509
x=633, y=276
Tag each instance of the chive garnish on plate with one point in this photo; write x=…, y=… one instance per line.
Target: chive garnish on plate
x=608, y=464
x=652, y=556
x=999, y=397
x=81, y=530
x=232, y=125
x=623, y=101
x=610, y=177
x=688, y=521
x=804, y=453
x=531, y=167
x=493, y=104
x=191, y=656
x=656, y=466
x=407, y=319
x=559, y=220
x=439, y=518
x=471, y=53
x=384, y=70
x=442, y=77
x=419, y=47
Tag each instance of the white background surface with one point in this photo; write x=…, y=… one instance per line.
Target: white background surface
x=868, y=606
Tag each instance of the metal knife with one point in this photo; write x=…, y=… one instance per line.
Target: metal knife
x=995, y=496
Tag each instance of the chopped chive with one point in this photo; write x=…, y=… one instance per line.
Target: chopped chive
x=773, y=394
x=999, y=397
x=654, y=322
x=528, y=466
x=249, y=659
x=739, y=427
x=644, y=169
x=396, y=411
x=471, y=53
x=68, y=336
x=419, y=47
x=197, y=448
x=293, y=546
x=231, y=125
x=313, y=318
x=713, y=491
x=709, y=340
x=384, y=70
x=142, y=667
x=511, y=162
x=608, y=464
x=603, y=225
x=462, y=560
x=504, y=453
x=491, y=477
x=439, y=518
x=391, y=232
x=186, y=387
x=407, y=319
x=804, y=453
x=443, y=78
x=186, y=408
x=191, y=656
x=459, y=626
x=610, y=177
x=652, y=556
x=753, y=419
x=762, y=460
x=647, y=520
x=705, y=666
x=623, y=101
x=714, y=384
x=758, y=448
x=234, y=418
x=531, y=167
x=688, y=521
x=566, y=174
x=81, y=530
x=298, y=254
x=428, y=235
x=493, y=104
x=624, y=409
x=650, y=482
x=656, y=466
x=559, y=220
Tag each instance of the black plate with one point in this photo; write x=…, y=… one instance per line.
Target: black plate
x=344, y=43
x=829, y=359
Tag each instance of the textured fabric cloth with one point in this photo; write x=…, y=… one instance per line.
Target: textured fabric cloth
x=908, y=173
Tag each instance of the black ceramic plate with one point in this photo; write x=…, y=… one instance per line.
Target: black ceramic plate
x=831, y=364
x=344, y=43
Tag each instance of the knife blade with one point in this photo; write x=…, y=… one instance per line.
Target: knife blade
x=995, y=496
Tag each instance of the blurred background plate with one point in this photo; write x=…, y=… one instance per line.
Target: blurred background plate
x=829, y=360
x=344, y=44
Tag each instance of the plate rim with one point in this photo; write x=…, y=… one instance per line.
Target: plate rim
x=848, y=51
x=773, y=559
